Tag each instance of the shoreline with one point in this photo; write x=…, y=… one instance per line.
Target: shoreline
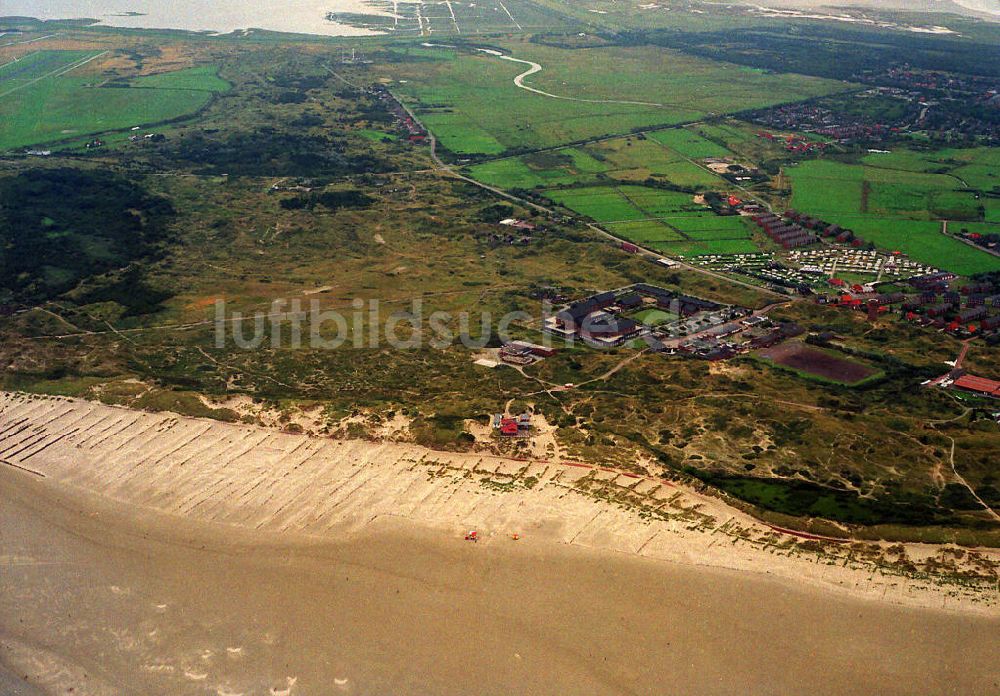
x=97, y=596
x=218, y=18
x=264, y=481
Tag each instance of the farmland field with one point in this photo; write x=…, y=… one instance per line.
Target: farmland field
x=602, y=203
x=629, y=159
x=689, y=144
x=46, y=100
x=565, y=166
x=471, y=103
x=895, y=202
x=636, y=159
x=710, y=226
x=667, y=221
x=714, y=246
x=645, y=232
x=618, y=203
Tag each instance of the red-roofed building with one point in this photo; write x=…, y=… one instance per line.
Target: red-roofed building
x=508, y=427
x=978, y=385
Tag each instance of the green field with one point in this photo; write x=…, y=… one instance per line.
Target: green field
x=23, y=72
x=649, y=233
x=552, y=168
x=667, y=221
x=638, y=158
x=711, y=227
x=626, y=159
x=376, y=135
x=471, y=103
x=46, y=100
x=715, y=246
x=689, y=144
x=602, y=203
x=654, y=317
x=897, y=201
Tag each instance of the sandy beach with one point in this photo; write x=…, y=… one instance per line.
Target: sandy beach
x=107, y=589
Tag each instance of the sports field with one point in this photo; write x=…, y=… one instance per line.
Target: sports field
x=472, y=105
x=898, y=200
x=44, y=97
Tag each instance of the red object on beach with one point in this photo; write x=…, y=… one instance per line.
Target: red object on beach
x=472, y=536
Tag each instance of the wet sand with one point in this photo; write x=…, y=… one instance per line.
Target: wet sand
x=108, y=598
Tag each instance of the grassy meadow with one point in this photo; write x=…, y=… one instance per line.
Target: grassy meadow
x=667, y=221
x=627, y=159
x=898, y=200
x=471, y=103
x=48, y=96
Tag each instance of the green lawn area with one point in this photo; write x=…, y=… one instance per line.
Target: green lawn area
x=63, y=105
x=659, y=203
x=710, y=227
x=653, y=316
x=978, y=167
x=636, y=159
x=376, y=135
x=471, y=103
x=602, y=203
x=899, y=209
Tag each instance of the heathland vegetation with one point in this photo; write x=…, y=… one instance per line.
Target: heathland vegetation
x=50, y=95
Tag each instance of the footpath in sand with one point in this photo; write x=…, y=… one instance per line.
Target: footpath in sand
x=261, y=479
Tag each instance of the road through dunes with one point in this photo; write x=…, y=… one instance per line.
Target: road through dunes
x=263, y=480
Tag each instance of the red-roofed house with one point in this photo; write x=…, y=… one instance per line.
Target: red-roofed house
x=508, y=427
